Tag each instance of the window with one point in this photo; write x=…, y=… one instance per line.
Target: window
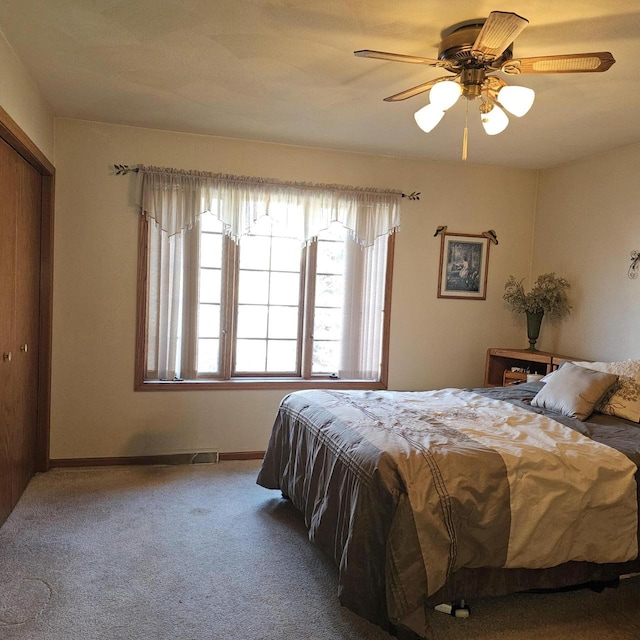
x=264, y=309
x=268, y=305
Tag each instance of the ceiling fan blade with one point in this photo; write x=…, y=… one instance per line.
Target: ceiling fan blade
x=498, y=32
x=570, y=63
x=398, y=57
x=414, y=91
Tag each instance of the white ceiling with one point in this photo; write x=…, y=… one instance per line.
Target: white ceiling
x=284, y=71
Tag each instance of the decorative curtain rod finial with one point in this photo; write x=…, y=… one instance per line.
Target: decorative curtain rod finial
x=124, y=169
x=491, y=234
x=414, y=195
x=635, y=264
x=440, y=230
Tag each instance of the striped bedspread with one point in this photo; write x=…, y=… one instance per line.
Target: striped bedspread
x=404, y=488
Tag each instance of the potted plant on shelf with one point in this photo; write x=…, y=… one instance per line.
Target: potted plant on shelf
x=548, y=297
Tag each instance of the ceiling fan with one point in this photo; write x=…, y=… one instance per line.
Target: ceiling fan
x=474, y=51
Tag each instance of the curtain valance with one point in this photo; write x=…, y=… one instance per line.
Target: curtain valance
x=174, y=198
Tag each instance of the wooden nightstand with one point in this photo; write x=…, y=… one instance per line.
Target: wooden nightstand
x=499, y=363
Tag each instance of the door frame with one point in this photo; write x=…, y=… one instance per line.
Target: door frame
x=17, y=139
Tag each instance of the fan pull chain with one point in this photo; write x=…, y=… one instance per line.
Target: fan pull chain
x=465, y=135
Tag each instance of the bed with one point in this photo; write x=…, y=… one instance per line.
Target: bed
x=428, y=497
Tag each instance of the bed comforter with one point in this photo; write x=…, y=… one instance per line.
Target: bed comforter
x=406, y=489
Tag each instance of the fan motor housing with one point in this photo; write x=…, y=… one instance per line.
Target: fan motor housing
x=458, y=45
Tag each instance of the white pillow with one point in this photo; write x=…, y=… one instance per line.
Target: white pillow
x=574, y=391
x=624, y=399
x=547, y=377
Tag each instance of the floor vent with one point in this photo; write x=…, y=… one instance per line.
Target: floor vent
x=204, y=457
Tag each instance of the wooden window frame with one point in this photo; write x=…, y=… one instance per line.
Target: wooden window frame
x=249, y=382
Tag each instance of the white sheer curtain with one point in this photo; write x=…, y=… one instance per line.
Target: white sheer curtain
x=175, y=198
x=363, y=309
x=172, y=200
x=172, y=303
x=364, y=294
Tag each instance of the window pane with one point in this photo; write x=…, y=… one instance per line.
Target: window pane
x=253, y=287
x=328, y=291
x=327, y=323
x=252, y=321
x=285, y=254
x=283, y=322
x=209, y=321
x=282, y=356
x=255, y=252
x=208, y=355
x=268, y=304
x=325, y=357
x=251, y=356
x=285, y=288
x=329, y=312
x=330, y=257
x=211, y=250
x=210, y=285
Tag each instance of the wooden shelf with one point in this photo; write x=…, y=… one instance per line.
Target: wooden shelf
x=513, y=377
x=499, y=364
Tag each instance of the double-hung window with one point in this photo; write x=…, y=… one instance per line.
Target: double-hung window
x=281, y=298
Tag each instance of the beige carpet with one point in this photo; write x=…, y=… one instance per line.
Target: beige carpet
x=202, y=552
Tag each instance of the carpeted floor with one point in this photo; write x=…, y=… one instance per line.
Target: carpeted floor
x=201, y=552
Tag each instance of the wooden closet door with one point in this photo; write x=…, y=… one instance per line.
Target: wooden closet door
x=26, y=325
x=20, y=226
x=8, y=205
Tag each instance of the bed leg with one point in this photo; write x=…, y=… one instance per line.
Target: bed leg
x=458, y=609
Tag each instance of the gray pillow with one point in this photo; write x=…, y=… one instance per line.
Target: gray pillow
x=574, y=391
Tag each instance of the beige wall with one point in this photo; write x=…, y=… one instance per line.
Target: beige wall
x=434, y=342
x=22, y=100
x=587, y=224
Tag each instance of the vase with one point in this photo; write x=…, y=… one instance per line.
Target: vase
x=534, y=320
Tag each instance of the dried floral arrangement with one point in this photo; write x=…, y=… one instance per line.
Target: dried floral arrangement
x=548, y=295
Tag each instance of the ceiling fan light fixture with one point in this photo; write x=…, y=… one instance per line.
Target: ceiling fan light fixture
x=473, y=51
x=445, y=94
x=428, y=117
x=495, y=120
x=516, y=100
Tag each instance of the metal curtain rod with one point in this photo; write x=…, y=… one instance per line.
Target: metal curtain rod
x=124, y=169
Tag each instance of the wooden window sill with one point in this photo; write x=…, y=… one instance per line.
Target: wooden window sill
x=256, y=384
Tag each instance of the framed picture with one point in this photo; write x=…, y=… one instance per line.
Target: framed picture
x=464, y=264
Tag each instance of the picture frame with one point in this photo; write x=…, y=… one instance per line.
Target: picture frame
x=464, y=266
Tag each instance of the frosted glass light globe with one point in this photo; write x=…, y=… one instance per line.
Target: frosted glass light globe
x=516, y=100
x=428, y=117
x=495, y=121
x=445, y=94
